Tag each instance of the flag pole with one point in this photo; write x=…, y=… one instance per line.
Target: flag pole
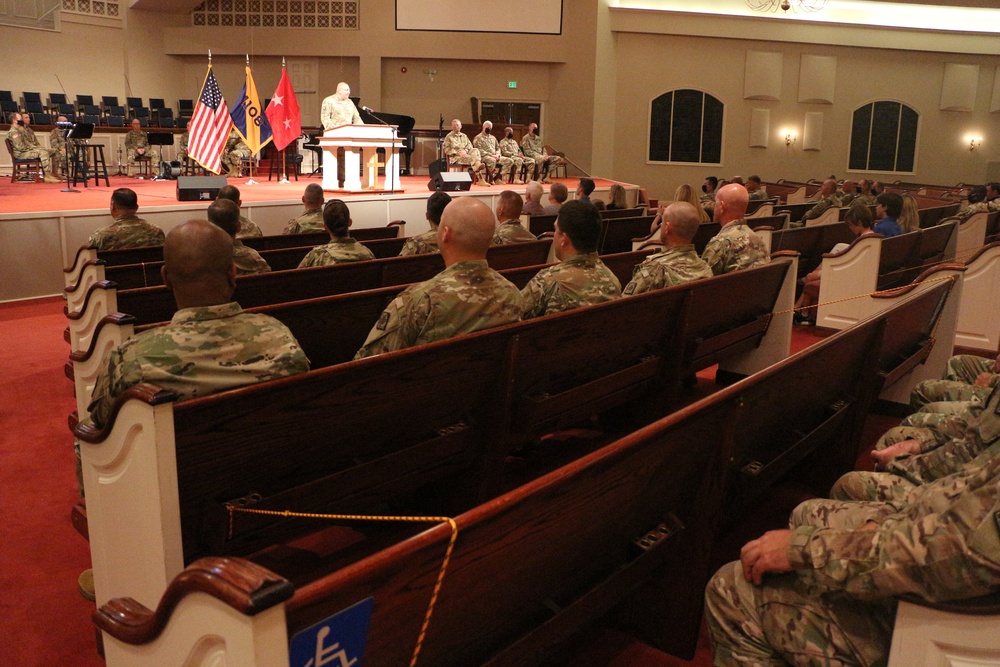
x=284, y=168
x=250, y=181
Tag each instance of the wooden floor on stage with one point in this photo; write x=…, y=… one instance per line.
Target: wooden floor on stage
x=48, y=197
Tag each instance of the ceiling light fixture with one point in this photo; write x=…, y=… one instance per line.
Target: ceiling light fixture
x=784, y=5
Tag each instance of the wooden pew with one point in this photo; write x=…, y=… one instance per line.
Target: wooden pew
x=623, y=532
x=972, y=233
x=978, y=330
x=636, y=212
x=810, y=242
x=617, y=233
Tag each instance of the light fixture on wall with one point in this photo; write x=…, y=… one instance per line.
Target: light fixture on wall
x=974, y=142
x=784, y=5
x=790, y=137
x=431, y=73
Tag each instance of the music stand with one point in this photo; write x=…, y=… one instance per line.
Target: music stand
x=75, y=132
x=160, y=139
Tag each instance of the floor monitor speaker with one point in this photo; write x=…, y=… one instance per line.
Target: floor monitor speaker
x=451, y=180
x=199, y=188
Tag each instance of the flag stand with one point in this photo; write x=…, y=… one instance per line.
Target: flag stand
x=251, y=181
x=284, y=170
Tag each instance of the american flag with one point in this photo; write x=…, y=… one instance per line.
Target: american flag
x=209, y=126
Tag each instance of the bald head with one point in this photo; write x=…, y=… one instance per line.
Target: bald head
x=731, y=203
x=198, y=264
x=466, y=230
x=829, y=187
x=681, y=222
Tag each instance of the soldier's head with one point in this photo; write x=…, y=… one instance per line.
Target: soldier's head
x=977, y=194
x=865, y=185
x=456, y=125
x=508, y=132
x=198, y=264
x=533, y=191
x=737, y=179
x=225, y=215
x=858, y=218
x=731, y=203
x=13, y=117
x=680, y=224
x=124, y=201
x=436, y=204
x=509, y=206
x=230, y=192
x=889, y=204
x=62, y=119
x=847, y=186
x=313, y=196
x=136, y=124
x=558, y=193
x=753, y=183
x=710, y=184
x=533, y=128
x=829, y=187
x=337, y=218
x=343, y=91
x=488, y=127
x=466, y=230
x=577, y=229
x=585, y=187
x=992, y=190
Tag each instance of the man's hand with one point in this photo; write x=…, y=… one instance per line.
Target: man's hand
x=984, y=379
x=768, y=553
x=882, y=457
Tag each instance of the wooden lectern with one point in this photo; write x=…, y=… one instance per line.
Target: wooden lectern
x=356, y=139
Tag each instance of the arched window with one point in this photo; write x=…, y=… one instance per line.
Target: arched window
x=685, y=126
x=884, y=137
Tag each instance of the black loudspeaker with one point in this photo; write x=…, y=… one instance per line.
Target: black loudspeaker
x=437, y=166
x=199, y=188
x=451, y=180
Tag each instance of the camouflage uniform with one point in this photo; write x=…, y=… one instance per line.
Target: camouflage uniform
x=247, y=228
x=512, y=231
x=127, y=231
x=847, y=198
x=532, y=146
x=489, y=148
x=673, y=266
x=959, y=382
x=134, y=140
x=467, y=296
x=182, y=146
x=336, y=112
x=247, y=260
x=456, y=142
x=57, y=149
x=940, y=542
x=821, y=207
x=863, y=200
x=23, y=147
x=202, y=351
x=337, y=251
x=577, y=281
x=422, y=244
x=758, y=195
x=735, y=247
x=310, y=221
x=510, y=149
x=972, y=209
x=235, y=150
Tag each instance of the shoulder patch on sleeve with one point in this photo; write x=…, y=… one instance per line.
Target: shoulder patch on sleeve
x=629, y=288
x=383, y=321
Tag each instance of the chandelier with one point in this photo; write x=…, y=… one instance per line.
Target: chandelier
x=784, y=5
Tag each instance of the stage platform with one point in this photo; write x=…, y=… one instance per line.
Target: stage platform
x=42, y=227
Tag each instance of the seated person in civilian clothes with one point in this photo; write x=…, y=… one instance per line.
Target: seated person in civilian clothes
x=617, y=196
x=247, y=228
x=510, y=229
x=533, y=199
x=678, y=262
x=226, y=215
x=312, y=219
x=127, y=230
x=467, y=296
x=888, y=208
x=580, y=278
x=427, y=243
x=736, y=246
x=341, y=248
x=584, y=188
x=558, y=194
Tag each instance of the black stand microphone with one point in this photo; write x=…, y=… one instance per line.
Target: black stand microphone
x=375, y=116
x=66, y=127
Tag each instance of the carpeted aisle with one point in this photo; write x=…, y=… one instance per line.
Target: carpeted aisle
x=43, y=619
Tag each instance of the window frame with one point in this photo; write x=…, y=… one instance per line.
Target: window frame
x=916, y=139
x=722, y=130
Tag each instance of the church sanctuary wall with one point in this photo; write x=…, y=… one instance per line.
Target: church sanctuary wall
x=718, y=66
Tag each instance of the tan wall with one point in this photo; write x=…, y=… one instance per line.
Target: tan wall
x=863, y=75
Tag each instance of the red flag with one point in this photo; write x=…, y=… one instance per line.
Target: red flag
x=209, y=126
x=283, y=113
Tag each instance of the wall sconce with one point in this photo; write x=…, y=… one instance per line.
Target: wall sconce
x=790, y=137
x=431, y=73
x=974, y=142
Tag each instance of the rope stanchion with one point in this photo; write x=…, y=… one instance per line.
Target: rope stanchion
x=233, y=509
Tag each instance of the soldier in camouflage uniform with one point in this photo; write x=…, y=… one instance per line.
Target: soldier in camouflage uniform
x=489, y=151
x=532, y=146
x=312, y=219
x=137, y=145
x=736, y=246
x=977, y=203
x=127, y=230
x=341, y=248
x=204, y=349
x=510, y=149
x=247, y=227
x=678, y=262
x=510, y=229
x=338, y=109
x=845, y=563
x=182, y=147
x=460, y=150
x=754, y=190
x=57, y=144
x=865, y=196
x=467, y=296
x=828, y=200
x=580, y=279
x=24, y=149
x=847, y=193
x=235, y=150
x=226, y=215
x=427, y=243
x=967, y=378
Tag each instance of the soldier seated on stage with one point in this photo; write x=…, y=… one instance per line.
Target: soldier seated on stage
x=510, y=229
x=247, y=227
x=467, y=296
x=460, y=151
x=226, y=215
x=532, y=146
x=25, y=147
x=137, y=146
x=312, y=219
x=489, y=151
x=427, y=243
x=127, y=230
x=509, y=148
x=235, y=150
x=341, y=248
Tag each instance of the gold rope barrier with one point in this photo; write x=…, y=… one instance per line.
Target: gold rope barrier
x=359, y=517
x=863, y=296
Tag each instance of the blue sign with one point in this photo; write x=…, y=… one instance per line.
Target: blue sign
x=339, y=641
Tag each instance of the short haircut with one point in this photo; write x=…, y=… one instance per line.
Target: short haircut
x=226, y=215
x=436, y=204
x=535, y=188
x=337, y=217
x=893, y=203
x=755, y=178
x=859, y=214
x=10, y=117
x=587, y=185
x=581, y=222
x=559, y=192
x=230, y=192
x=994, y=186
x=314, y=194
x=512, y=203
x=977, y=194
x=125, y=199
x=713, y=180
